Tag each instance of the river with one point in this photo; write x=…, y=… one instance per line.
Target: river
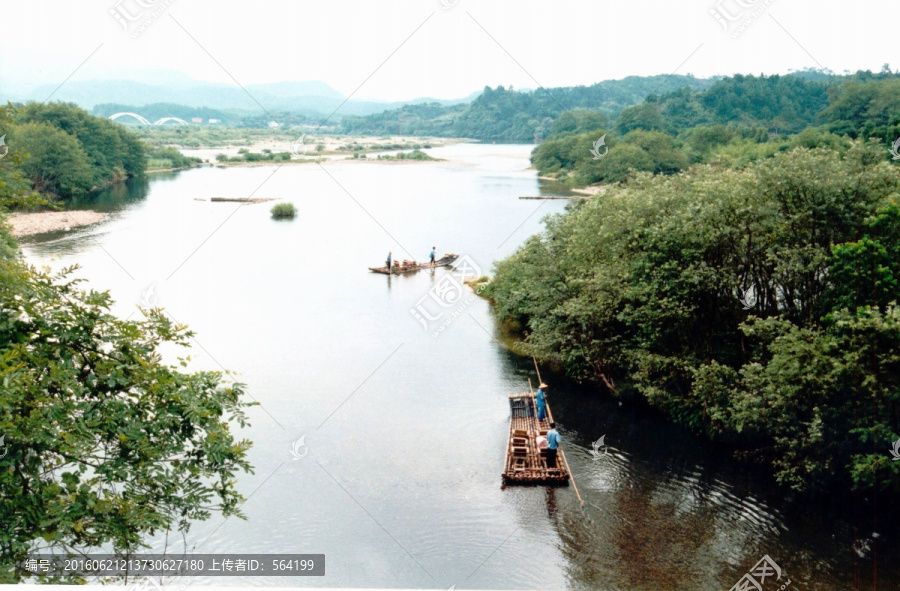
x=381, y=431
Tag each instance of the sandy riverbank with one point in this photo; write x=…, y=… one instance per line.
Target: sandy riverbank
x=26, y=224
x=303, y=147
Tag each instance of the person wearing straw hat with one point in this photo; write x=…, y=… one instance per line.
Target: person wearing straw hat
x=541, y=400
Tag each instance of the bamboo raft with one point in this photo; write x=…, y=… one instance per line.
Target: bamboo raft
x=525, y=462
x=412, y=266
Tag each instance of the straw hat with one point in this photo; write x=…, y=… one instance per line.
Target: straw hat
x=543, y=385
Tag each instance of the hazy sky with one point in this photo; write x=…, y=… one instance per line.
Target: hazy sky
x=437, y=50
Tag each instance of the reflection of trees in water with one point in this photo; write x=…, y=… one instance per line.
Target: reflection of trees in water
x=120, y=195
x=657, y=526
x=638, y=541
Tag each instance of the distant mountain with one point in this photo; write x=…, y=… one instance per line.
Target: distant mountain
x=308, y=98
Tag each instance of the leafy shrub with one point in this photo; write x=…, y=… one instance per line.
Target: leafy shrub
x=284, y=211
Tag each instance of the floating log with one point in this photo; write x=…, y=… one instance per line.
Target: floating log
x=526, y=463
x=412, y=266
x=242, y=199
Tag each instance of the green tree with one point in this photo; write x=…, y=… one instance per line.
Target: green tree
x=578, y=121
x=112, y=151
x=106, y=444
x=56, y=162
x=645, y=116
x=16, y=190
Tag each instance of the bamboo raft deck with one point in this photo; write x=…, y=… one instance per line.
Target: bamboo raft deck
x=525, y=462
x=400, y=267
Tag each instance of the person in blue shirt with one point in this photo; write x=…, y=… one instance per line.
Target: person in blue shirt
x=388, y=261
x=432, y=255
x=541, y=401
x=553, y=441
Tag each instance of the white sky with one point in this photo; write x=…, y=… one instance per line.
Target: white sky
x=342, y=42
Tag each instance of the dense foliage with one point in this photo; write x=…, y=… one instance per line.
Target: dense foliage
x=738, y=119
x=507, y=115
x=169, y=157
x=16, y=190
x=757, y=304
x=63, y=152
x=103, y=443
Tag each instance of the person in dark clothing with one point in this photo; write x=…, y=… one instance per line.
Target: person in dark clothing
x=553, y=441
x=387, y=263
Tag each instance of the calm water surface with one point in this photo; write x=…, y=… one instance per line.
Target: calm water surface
x=404, y=428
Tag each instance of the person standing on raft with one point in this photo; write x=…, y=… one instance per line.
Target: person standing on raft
x=541, y=401
x=388, y=261
x=553, y=441
x=432, y=255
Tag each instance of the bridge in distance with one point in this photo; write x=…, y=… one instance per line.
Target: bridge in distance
x=143, y=121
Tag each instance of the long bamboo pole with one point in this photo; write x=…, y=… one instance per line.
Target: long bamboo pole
x=562, y=453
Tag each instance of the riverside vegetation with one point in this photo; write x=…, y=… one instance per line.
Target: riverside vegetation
x=104, y=444
x=752, y=297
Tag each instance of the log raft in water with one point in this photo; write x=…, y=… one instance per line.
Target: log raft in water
x=526, y=463
x=412, y=266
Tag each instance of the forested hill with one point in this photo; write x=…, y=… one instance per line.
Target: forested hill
x=508, y=115
x=738, y=119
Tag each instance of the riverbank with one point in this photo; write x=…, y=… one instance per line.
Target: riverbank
x=306, y=148
x=27, y=224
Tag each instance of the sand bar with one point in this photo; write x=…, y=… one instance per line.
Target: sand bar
x=26, y=224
